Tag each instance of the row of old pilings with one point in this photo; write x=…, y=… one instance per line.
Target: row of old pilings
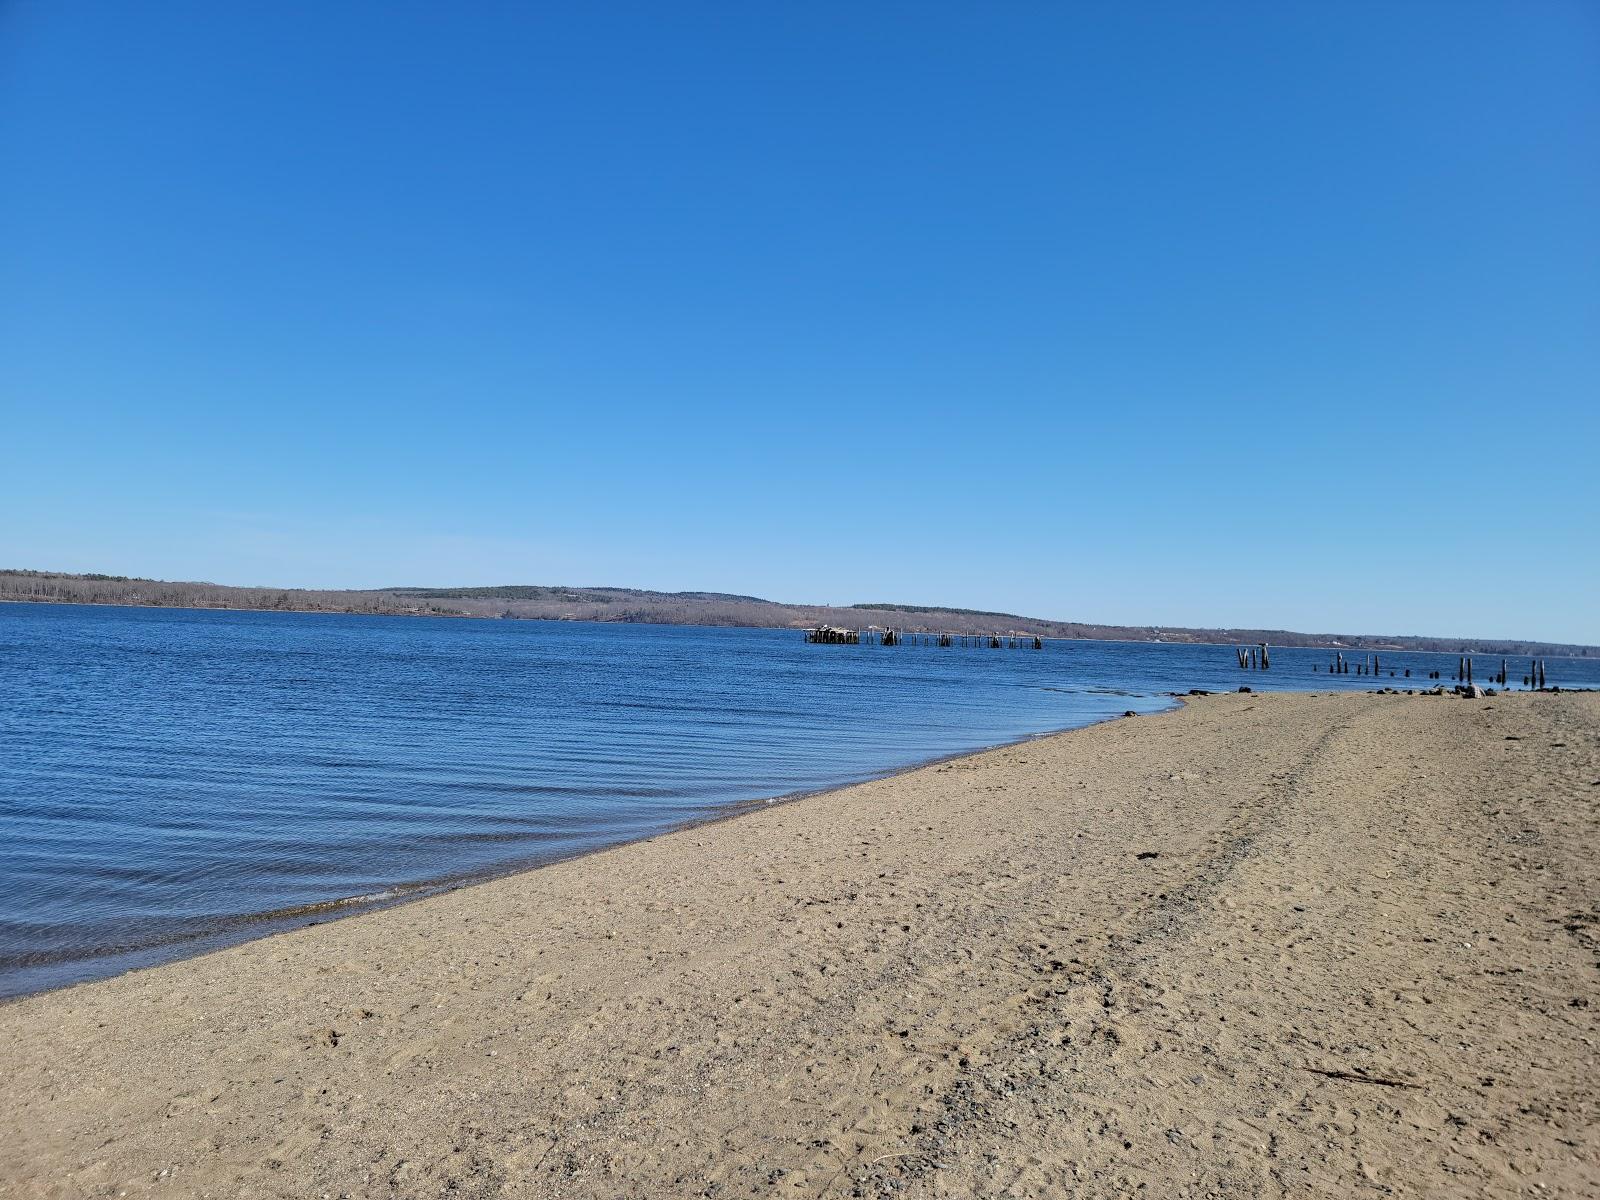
x=1371, y=664
x=1535, y=678
x=1336, y=665
x=1254, y=658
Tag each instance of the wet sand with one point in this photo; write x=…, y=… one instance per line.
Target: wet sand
x=1265, y=945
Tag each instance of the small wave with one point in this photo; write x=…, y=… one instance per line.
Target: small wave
x=367, y=898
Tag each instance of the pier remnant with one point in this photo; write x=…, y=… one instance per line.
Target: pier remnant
x=832, y=635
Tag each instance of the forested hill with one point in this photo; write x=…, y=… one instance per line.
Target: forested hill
x=532, y=602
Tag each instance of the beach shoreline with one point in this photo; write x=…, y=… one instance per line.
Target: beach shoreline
x=992, y=973
x=253, y=926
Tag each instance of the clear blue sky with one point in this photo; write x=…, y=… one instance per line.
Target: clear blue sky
x=1258, y=314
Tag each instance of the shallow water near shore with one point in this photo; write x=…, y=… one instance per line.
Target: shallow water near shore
x=174, y=780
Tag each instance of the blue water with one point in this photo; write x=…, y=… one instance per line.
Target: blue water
x=173, y=780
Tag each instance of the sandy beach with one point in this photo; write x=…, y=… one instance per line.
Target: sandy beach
x=1264, y=945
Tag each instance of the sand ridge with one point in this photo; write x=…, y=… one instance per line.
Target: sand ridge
x=1264, y=945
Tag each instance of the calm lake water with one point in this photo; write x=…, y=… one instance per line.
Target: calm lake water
x=174, y=780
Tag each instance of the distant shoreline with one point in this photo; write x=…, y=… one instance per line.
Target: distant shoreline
x=711, y=610
x=1547, y=650
x=23, y=602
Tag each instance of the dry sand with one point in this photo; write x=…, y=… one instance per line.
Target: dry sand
x=1265, y=945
